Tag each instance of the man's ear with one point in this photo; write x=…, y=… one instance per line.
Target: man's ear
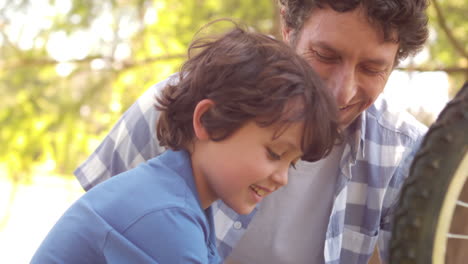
x=285, y=30
x=200, y=109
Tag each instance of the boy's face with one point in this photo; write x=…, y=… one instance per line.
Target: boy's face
x=247, y=166
x=349, y=54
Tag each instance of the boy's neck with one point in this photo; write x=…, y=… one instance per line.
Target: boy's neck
x=205, y=193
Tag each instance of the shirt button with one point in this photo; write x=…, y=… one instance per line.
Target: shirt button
x=237, y=225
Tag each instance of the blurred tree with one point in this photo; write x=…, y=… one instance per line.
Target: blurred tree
x=448, y=42
x=70, y=68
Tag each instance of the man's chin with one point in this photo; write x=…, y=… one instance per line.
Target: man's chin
x=346, y=122
x=348, y=116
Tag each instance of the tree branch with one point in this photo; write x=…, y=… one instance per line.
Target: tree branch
x=443, y=24
x=132, y=64
x=449, y=70
x=7, y=41
x=116, y=64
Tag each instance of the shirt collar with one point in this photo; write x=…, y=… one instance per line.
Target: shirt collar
x=355, y=137
x=180, y=162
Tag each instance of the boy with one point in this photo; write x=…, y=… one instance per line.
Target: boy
x=244, y=110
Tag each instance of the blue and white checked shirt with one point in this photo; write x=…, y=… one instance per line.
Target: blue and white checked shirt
x=373, y=166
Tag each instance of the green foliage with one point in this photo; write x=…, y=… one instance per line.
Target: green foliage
x=68, y=69
x=449, y=43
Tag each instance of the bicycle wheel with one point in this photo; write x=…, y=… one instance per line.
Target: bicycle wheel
x=431, y=208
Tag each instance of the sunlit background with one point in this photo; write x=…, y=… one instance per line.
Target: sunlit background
x=70, y=68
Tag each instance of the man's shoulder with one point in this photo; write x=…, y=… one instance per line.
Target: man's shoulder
x=147, y=99
x=171, y=79
x=383, y=119
x=130, y=142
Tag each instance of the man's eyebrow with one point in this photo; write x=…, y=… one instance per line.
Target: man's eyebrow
x=323, y=45
x=328, y=47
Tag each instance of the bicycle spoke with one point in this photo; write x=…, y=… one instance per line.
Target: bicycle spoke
x=462, y=204
x=457, y=236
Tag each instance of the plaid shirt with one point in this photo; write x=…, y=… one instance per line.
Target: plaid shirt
x=373, y=166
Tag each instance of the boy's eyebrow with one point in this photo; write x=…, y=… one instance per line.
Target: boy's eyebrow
x=290, y=144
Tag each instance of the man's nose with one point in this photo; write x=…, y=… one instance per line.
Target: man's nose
x=344, y=85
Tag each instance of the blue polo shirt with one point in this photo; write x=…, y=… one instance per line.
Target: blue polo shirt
x=150, y=214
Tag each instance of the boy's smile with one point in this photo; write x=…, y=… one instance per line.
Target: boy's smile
x=259, y=191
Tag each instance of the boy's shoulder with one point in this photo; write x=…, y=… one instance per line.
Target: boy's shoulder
x=162, y=183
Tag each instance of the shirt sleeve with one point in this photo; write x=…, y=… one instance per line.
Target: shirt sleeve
x=131, y=141
x=169, y=236
x=392, y=196
x=76, y=237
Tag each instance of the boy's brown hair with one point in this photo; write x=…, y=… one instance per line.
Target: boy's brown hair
x=249, y=76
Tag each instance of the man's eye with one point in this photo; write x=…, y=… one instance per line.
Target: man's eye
x=324, y=57
x=273, y=155
x=374, y=71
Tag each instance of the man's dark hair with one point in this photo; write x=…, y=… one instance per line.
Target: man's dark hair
x=405, y=17
x=249, y=76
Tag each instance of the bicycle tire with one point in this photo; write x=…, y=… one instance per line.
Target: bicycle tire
x=437, y=175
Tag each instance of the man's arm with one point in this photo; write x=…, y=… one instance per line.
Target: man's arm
x=131, y=141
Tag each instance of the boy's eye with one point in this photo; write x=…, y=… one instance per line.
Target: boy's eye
x=273, y=155
x=293, y=164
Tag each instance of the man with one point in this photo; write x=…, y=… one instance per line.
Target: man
x=334, y=210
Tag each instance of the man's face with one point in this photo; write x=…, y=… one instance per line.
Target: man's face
x=350, y=55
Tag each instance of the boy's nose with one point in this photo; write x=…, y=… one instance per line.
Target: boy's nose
x=280, y=177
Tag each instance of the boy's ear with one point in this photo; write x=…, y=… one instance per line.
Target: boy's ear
x=200, y=109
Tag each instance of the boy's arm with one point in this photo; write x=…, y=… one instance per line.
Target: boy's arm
x=82, y=235
x=131, y=141
x=172, y=235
